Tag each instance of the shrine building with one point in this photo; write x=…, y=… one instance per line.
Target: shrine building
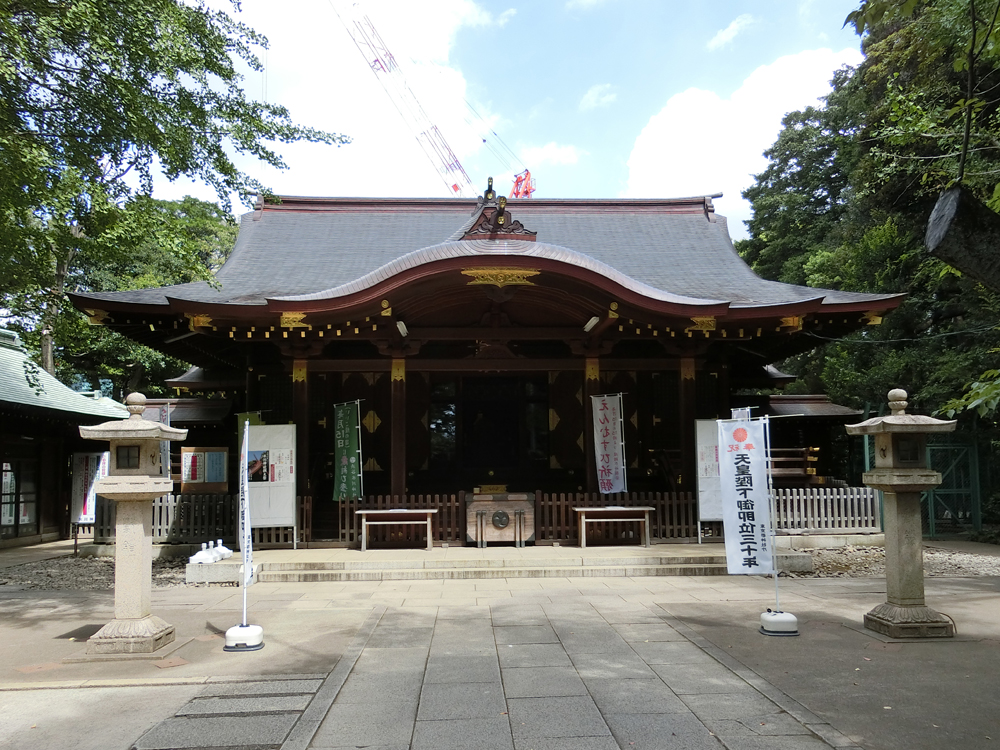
x=474, y=332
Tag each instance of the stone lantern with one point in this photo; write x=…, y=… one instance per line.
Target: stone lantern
x=135, y=479
x=902, y=474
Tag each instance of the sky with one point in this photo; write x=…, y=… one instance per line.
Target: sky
x=598, y=98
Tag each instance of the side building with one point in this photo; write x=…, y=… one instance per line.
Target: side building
x=473, y=334
x=39, y=432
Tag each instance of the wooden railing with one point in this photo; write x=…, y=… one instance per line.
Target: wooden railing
x=825, y=510
x=192, y=519
x=674, y=516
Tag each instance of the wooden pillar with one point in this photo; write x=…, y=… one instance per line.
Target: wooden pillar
x=591, y=387
x=300, y=416
x=688, y=396
x=397, y=455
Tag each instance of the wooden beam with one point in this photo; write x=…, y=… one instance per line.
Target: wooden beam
x=397, y=451
x=487, y=365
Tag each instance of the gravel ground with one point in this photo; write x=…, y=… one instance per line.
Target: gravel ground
x=846, y=562
x=869, y=562
x=86, y=573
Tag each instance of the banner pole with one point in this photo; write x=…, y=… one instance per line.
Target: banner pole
x=361, y=473
x=774, y=509
x=621, y=431
x=245, y=637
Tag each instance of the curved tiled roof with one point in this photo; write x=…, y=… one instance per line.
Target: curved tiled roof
x=22, y=384
x=307, y=249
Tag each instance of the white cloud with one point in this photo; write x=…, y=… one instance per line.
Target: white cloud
x=701, y=143
x=551, y=153
x=384, y=158
x=504, y=17
x=726, y=35
x=599, y=95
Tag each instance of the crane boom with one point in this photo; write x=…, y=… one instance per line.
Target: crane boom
x=382, y=63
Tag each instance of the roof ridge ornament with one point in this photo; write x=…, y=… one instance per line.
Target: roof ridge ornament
x=494, y=221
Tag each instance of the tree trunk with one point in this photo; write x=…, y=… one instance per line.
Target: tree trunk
x=965, y=233
x=52, y=309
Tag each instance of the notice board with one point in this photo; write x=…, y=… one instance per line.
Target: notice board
x=204, y=470
x=709, y=484
x=271, y=474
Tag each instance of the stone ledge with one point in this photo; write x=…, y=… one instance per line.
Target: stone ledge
x=217, y=572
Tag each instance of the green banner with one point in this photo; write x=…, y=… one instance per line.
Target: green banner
x=347, y=452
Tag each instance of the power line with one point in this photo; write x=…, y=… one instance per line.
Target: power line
x=902, y=341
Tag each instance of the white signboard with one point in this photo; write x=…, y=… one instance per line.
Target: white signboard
x=271, y=473
x=87, y=469
x=609, y=443
x=709, y=487
x=746, y=497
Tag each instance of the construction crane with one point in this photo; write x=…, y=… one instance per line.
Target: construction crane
x=387, y=70
x=382, y=63
x=524, y=185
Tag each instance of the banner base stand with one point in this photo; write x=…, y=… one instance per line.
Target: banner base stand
x=244, y=638
x=778, y=623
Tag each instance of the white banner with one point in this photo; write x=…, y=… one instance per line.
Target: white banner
x=246, y=534
x=746, y=497
x=609, y=443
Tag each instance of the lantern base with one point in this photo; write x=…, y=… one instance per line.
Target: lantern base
x=140, y=636
x=909, y=622
x=244, y=638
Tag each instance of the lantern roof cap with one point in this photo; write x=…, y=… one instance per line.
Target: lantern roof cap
x=900, y=421
x=133, y=428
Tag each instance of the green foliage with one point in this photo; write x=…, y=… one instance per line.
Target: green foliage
x=982, y=396
x=844, y=202
x=198, y=234
x=97, y=97
x=800, y=198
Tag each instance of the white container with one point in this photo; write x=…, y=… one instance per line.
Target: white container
x=778, y=623
x=203, y=556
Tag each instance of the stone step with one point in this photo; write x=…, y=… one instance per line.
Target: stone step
x=268, y=575
x=555, y=562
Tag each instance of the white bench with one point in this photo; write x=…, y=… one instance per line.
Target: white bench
x=638, y=513
x=394, y=517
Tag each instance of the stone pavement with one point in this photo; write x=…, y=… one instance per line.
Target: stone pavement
x=666, y=662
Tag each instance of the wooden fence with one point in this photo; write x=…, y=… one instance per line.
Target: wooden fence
x=828, y=510
x=192, y=519
x=674, y=517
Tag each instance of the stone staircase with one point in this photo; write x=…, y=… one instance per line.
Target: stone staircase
x=582, y=566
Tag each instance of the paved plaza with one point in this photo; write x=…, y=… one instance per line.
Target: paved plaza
x=525, y=664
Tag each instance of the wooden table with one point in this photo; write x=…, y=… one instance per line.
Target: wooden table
x=393, y=517
x=638, y=513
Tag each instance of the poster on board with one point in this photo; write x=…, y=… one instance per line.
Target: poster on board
x=709, y=486
x=204, y=470
x=271, y=475
x=87, y=469
x=9, y=499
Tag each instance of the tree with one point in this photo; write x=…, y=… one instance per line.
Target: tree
x=185, y=235
x=801, y=196
x=844, y=202
x=96, y=97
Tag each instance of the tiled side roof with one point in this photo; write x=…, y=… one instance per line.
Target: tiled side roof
x=307, y=248
x=44, y=391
